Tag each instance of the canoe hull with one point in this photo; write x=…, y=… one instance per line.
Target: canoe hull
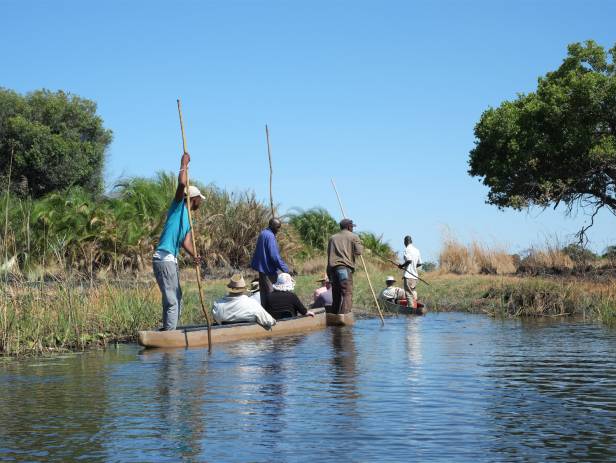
x=196, y=336
x=335, y=319
x=395, y=308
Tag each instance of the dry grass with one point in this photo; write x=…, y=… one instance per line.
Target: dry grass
x=546, y=261
x=475, y=258
x=312, y=266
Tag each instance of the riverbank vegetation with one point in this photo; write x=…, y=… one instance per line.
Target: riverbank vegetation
x=42, y=318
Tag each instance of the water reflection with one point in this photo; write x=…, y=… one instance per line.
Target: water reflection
x=344, y=363
x=50, y=406
x=555, y=386
x=447, y=387
x=413, y=342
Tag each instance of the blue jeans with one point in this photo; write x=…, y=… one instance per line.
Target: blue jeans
x=167, y=275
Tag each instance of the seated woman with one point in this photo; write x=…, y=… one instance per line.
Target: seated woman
x=237, y=307
x=283, y=302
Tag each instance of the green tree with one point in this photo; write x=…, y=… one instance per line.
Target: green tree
x=557, y=144
x=610, y=253
x=314, y=226
x=374, y=244
x=55, y=139
x=579, y=254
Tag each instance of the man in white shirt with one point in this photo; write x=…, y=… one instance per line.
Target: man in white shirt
x=237, y=307
x=412, y=261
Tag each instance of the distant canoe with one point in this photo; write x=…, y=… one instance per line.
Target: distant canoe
x=401, y=309
x=196, y=335
x=340, y=319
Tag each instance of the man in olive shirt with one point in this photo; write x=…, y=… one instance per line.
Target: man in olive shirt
x=342, y=249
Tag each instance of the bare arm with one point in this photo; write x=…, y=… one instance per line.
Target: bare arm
x=187, y=245
x=182, y=179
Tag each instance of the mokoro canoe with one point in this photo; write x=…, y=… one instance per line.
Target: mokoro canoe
x=196, y=335
x=401, y=309
x=340, y=319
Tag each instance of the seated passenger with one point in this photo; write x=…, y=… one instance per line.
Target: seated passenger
x=325, y=285
x=255, y=291
x=237, y=307
x=283, y=302
x=323, y=295
x=392, y=293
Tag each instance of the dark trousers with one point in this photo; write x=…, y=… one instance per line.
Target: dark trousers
x=265, y=286
x=342, y=291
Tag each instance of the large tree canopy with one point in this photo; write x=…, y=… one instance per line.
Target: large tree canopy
x=55, y=139
x=557, y=144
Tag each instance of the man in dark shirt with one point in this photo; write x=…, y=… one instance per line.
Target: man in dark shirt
x=282, y=302
x=342, y=249
x=266, y=259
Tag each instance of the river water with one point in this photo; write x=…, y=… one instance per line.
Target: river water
x=445, y=387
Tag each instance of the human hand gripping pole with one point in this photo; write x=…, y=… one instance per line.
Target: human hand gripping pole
x=192, y=234
x=363, y=262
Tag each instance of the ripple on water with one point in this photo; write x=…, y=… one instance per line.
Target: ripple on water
x=445, y=387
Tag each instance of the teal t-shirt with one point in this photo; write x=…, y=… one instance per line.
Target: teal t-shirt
x=176, y=228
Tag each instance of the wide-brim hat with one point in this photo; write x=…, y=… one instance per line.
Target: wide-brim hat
x=254, y=286
x=284, y=283
x=236, y=284
x=390, y=278
x=193, y=192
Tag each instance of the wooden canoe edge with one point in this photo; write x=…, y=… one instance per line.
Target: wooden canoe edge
x=198, y=338
x=395, y=308
x=336, y=319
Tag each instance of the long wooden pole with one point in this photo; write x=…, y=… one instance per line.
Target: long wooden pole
x=363, y=262
x=271, y=171
x=393, y=262
x=192, y=234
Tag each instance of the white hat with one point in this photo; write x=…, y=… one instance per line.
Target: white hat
x=390, y=278
x=284, y=282
x=194, y=191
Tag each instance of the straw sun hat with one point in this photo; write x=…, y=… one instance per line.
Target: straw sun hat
x=284, y=283
x=236, y=284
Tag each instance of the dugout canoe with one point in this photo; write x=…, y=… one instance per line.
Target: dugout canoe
x=402, y=309
x=196, y=335
x=340, y=319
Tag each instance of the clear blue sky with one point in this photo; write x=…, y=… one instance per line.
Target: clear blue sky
x=381, y=95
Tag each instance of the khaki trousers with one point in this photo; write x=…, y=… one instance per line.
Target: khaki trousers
x=409, y=290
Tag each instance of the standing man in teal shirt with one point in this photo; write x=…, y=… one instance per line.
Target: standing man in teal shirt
x=176, y=233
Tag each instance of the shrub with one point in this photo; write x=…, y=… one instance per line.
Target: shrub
x=314, y=227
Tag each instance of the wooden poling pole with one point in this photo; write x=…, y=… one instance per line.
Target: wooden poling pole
x=192, y=234
x=376, y=301
x=271, y=171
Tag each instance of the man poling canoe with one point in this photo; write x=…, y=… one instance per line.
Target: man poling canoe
x=342, y=249
x=411, y=264
x=176, y=234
